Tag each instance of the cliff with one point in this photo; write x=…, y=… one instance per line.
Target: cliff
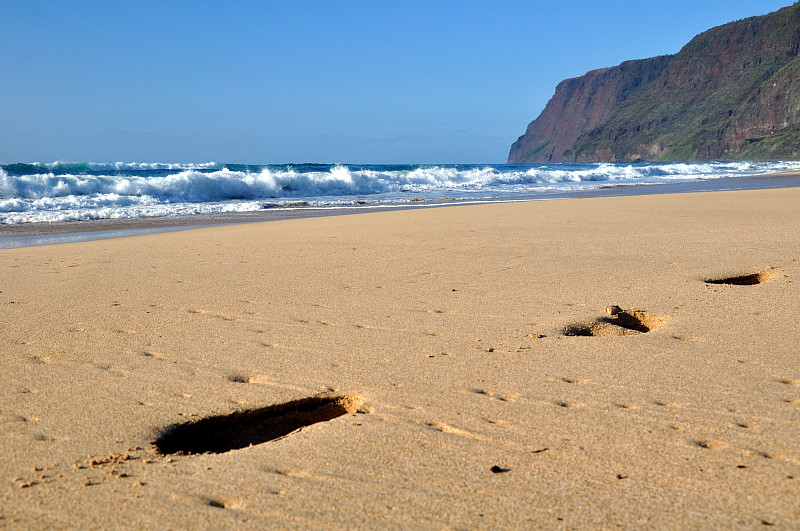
x=732, y=93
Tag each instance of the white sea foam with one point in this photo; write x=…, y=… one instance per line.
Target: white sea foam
x=76, y=191
x=123, y=166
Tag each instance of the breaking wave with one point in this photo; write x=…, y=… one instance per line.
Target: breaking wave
x=62, y=191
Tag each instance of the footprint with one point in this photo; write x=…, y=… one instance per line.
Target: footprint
x=711, y=444
x=666, y=403
x=223, y=433
x=12, y=418
x=743, y=280
x=760, y=453
x=220, y=503
x=574, y=380
x=152, y=354
x=565, y=404
x=446, y=428
x=619, y=323
x=239, y=377
x=503, y=397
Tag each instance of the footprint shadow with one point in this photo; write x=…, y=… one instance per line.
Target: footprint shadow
x=618, y=323
x=223, y=433
x=750, y=279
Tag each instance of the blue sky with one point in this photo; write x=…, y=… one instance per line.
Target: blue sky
x=301, y=81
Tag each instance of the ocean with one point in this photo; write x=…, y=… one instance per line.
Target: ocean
x=62, y=192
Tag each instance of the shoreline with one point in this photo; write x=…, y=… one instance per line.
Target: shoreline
x=35, y=234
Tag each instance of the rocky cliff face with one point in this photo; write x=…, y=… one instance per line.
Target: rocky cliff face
x=733, y=92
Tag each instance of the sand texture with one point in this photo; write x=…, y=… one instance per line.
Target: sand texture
x=558, y=365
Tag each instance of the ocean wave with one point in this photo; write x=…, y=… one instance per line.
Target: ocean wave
x=196, y=186
x=65, y=166
x=62, y=191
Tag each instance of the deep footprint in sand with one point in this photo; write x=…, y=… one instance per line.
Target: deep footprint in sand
x=618, y=323
x=223, y=433
x=749, y=279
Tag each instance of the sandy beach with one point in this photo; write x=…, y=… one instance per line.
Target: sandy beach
x=446, y=358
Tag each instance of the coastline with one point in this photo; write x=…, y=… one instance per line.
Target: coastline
x=33, y=234
x=444, y=328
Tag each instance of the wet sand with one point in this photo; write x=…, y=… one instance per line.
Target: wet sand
x=598, y=362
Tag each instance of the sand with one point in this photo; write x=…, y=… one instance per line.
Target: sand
x=431, y=366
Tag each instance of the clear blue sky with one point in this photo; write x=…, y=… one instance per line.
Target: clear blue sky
x=325, y=81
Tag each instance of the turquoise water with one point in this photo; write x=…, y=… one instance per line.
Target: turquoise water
x=59, y=191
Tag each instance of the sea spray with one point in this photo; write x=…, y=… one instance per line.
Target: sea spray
x=63, y=191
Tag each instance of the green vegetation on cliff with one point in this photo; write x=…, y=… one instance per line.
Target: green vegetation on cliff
x=733, y=92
